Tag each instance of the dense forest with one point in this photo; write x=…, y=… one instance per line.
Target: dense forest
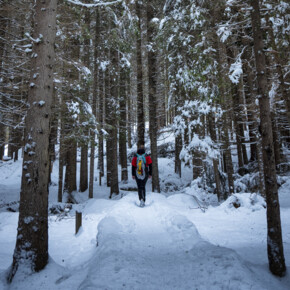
x=86, y=81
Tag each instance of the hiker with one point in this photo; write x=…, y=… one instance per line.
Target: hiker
x=141, y=171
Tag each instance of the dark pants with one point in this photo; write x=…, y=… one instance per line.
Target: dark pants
x=141, y=183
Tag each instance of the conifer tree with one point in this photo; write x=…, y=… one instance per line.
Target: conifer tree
x=32, y=238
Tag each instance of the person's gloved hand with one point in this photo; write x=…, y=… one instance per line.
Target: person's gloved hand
x=133, y=177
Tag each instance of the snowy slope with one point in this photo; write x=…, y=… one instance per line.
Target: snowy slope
x=122, y=246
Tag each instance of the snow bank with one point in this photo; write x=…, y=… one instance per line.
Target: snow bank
x=284, y=194
x=198, y=190
x=182, y=200
x=250, y=201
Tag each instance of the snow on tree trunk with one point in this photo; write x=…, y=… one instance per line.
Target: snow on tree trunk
x=94, y=103
x=31, y=250
x=274, y=240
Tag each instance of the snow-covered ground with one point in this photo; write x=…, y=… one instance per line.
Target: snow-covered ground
x=169, y=244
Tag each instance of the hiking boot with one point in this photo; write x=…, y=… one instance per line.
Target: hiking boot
x=142, y=203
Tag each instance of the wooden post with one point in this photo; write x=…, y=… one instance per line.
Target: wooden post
x=100, y=178
x=78, y=221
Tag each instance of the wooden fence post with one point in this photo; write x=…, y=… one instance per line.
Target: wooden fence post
x=78, y=221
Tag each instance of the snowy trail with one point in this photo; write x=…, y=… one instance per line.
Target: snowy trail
x=157, y=248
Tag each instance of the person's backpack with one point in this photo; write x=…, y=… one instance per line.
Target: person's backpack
x=141, y=166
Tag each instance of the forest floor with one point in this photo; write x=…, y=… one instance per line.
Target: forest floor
x=172, y=243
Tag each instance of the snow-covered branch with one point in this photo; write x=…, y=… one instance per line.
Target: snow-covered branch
x=96, y=4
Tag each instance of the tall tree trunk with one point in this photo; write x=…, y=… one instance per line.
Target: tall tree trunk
x=84, y=168
x=178, y=138
x=255, y=142
x=140, y=98
x=70, y=180
x=161, y=89
x=275, y=243
x=228, y=163
x=53, y=135
x=108, y=124
x=31, y=250
x=62, y=149
x=178, y=147
x=228, y=154
x=92, y=165
x=94, y=101
x=101, y=122
x=198, y=156
x=102, y=89
x=250, y=103
x=212, y=132
x=112, y=129
x=242, y=120
x=129, y=114
x=60, y=170
x=276, y=140
x=152, y=73
x=84, y=147
x=237, y=120
x=122, y=124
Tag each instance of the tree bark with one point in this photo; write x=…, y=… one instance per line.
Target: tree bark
x=212, y=132
x=101, y=123
x=178, y=138
x=129, y=113
x=274, y=239
x=60, y=172
x=84, y=147
x=31, y=248
x=237, y=127
x=140, y=98
x=70, y=180
x=250, y=96
x=94, y=102
x=112, y=128
x=101, y=96
x=108, y=122
x=226, y=102
x=228, y=155
x=178, y=147
x=250, y=103
x=152, y=73
x=122, y=124
x=84, y=168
